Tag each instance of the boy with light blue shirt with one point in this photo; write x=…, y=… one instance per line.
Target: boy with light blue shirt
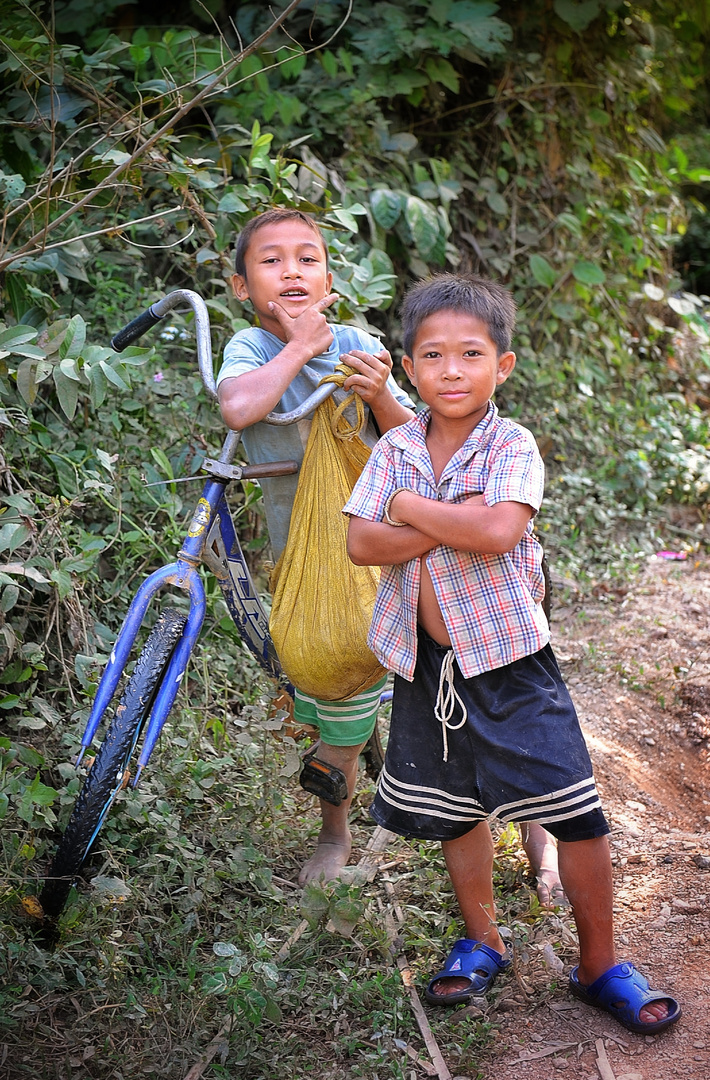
x=281, y=264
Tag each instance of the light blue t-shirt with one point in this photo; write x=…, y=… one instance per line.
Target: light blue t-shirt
x=254, y=347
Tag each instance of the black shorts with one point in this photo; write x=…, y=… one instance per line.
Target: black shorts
x=519, y=756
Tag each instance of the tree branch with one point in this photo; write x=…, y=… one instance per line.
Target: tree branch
x=38, y=238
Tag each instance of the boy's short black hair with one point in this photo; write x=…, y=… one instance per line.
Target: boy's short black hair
x=271, y=217
x=488, y=301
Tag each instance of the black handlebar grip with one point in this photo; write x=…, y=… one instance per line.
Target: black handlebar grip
x=134, y=330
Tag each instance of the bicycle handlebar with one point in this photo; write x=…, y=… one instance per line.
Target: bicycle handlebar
x=134, y=330
x=157, y=311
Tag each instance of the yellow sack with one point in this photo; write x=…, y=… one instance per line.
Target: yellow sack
x=323, y=603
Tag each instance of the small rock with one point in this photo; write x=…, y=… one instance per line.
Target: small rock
x=687, y=907
x=702, y=862
x=560, y=1063
x=633, y=805
x=633, y=830
x=699, y=1045
x=649, y=741
x=551, y=959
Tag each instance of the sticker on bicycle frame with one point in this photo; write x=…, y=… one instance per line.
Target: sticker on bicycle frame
x=201, y=518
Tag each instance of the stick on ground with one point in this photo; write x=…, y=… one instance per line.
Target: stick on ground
x=442, y=1069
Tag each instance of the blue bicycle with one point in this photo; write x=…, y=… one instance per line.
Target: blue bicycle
x=151, y=690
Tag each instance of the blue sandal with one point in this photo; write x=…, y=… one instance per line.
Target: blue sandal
x=622, y=991
x=470, y=960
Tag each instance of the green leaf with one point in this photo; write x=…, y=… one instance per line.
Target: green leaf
x=344, y=914
x=570, y=222
x=476, y=22
x=215, y=984
x=35, y=794
x=423, y=222
x=230, y=203
x=107, y=460
x=345, y=218
x=74, y=339
x=497, y=203
x=113, y=376
x=68, y=367
x=224, y=948
x=386, y=206
x=29, y=756
x=259, y=155
x=541, y=270
x=67, y=392
x=272, y=1011
x=588, y=273
x=598, y=117
x=161, y=459
x=314, y=903
x=63, y=581
x=10, y=596
x=442, y=71
x=98, y=384
x=16, y=335
x=13, y=535
x=577, y=13
x=330, y=63
x=27, y=380
x=33, y=351
x=563, y=311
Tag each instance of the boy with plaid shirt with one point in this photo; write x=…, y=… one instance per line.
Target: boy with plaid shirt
x=482, y=726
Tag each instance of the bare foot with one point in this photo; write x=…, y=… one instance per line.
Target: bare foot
x=550, y=892
x=327, y=861
x=449, y=984
x=453, y=984
x=649, y=1014
x=657, y=1010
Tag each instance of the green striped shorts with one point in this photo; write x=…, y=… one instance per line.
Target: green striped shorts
x=341, y=723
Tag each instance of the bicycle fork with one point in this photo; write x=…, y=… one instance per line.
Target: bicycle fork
x=183, y=574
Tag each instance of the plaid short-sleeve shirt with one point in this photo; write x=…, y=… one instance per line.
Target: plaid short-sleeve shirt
x=491, y=604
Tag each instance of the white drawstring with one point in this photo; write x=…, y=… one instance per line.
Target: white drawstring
x=446, y=701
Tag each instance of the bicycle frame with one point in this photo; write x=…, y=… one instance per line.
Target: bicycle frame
x=212, y=539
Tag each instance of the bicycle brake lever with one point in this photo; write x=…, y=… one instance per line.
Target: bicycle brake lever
x=175, y=480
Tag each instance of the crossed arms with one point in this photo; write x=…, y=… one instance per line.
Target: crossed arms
x=467, y=526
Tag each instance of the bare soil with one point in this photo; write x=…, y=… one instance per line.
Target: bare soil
x=638, y=666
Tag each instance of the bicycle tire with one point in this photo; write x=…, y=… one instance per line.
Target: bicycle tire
x=105, y=777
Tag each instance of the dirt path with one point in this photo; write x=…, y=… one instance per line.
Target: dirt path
x=638, y=667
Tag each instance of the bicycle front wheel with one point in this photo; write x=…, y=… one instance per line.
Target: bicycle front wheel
x=106, y=776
